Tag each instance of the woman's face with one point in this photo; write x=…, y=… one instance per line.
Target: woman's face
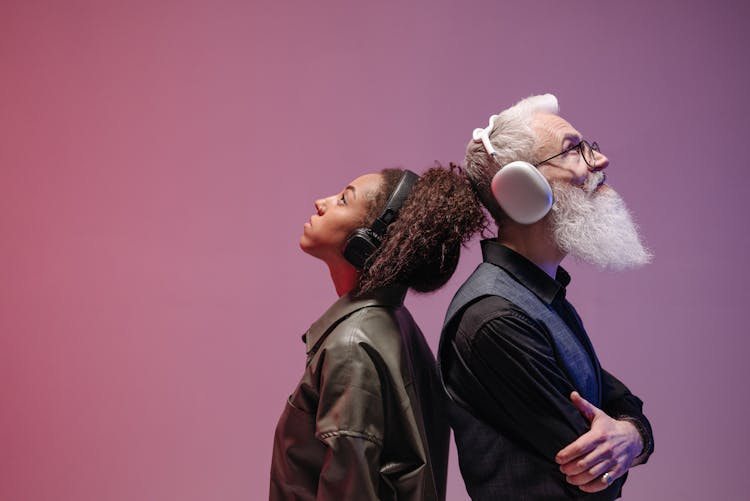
x=337, y=216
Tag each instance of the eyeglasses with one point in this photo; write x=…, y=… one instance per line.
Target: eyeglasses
x=586, y=150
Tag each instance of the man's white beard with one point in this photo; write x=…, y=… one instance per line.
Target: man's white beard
x=595, y=226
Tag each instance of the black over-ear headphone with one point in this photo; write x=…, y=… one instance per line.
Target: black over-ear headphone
x=364, y=241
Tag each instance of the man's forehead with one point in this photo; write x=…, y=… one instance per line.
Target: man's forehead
x=553, y=128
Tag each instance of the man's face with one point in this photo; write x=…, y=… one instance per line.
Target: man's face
x=588, y=219
x=555, y=135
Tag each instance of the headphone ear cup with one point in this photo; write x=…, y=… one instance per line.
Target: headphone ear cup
x=522, y=192
x=360, y=246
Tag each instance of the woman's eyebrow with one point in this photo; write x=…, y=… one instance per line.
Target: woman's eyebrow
x=353, y=190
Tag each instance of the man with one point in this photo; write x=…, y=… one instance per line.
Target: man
x=534, y=415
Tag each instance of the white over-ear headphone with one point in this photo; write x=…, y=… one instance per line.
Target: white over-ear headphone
x=522, y=192
x=520, y=189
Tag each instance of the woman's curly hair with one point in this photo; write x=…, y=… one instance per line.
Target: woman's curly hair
x=422, y=246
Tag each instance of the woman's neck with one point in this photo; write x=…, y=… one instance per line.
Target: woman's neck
x=344, y=277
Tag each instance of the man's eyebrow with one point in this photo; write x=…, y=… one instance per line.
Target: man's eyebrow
x=353, y=190
x=573, y=138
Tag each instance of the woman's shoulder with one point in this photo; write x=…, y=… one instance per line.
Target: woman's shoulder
x=370, y=328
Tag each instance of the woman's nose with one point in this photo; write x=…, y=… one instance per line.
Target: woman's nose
x=320, y=206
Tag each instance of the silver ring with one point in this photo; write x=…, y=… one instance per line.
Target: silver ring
x=607, y=478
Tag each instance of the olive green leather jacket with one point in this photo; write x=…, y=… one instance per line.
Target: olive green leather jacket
x=366, y=421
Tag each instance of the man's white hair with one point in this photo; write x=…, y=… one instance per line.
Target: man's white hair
x=512, y=138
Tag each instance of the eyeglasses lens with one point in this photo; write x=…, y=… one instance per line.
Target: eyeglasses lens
x=588, y=152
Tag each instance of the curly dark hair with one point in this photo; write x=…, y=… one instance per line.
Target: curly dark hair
x=421, y=248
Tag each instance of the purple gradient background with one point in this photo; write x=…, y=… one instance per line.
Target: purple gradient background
x=158, y=160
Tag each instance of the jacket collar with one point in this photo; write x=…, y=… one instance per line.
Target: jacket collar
x=348, y=304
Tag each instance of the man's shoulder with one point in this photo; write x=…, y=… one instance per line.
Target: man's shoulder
x=488, y=308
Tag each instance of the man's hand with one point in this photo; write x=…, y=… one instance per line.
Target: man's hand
x=603, y=453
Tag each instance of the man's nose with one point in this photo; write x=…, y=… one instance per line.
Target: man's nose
x=601, y=161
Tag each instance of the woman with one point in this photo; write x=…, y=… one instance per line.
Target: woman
x=366, y=420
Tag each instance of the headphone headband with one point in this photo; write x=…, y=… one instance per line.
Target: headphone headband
x=483, y=136
x=394, y=203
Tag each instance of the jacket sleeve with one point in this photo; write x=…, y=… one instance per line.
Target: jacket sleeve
x=349, y=421
x=350, y=470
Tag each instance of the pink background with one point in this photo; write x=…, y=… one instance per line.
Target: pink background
x=158, y=160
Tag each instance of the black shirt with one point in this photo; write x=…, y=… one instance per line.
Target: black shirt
x=501, y=366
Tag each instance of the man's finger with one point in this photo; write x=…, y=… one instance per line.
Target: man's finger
x=582, y=446
x=599, y=483
x=586, y=442
x=593, y=473
x=584, y=406
x=582, y=463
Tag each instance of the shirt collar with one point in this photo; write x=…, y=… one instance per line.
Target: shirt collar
x=346, y=305
x=527, y=273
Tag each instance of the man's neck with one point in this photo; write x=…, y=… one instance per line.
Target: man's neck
x=535, y=243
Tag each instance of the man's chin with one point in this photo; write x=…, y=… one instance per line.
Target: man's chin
x=602, y=188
